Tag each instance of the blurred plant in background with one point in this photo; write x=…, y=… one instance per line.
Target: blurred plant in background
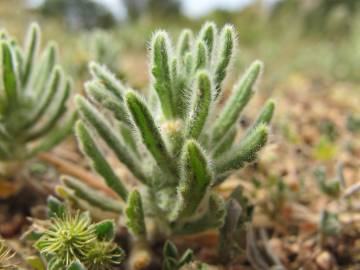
x=79, y=14
x=100, y=46
x=33, y=100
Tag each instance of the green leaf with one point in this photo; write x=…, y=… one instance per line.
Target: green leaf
x=189, y=63
x=201, y=56
x=242, y=153
x=225, y=143
x=134, y=215
x=92, y=116
x=46, y=98
x=32, y=47
x=196, y=177
x=10, y=79
x=226, y=51
x=208, y=34
x=55, y=207
x=129, y=138
x=184, y=44
x=150, y=134
x=106, y=78
x=98, y=93
x=186, y=258
x=55, y=137
x=170, y=250
x=54, y=115
x=160, y=69
x=241, y=95
x=92, y=196
x=266, y=114
x=44, y=68
x=105, y=230
x=200, y=107
x=99, y=163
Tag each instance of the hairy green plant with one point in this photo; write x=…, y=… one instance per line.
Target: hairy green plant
x=33, y=95
x=6, y=255
x=180, y=142
x=69, y=240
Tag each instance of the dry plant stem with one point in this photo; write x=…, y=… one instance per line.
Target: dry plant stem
x=66, y=167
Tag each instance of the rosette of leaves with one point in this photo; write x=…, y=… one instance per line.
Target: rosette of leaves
x=33, y=94
x=73, y=241
x=180, y=142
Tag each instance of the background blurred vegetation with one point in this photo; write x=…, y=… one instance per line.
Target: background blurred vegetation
x=317, y=38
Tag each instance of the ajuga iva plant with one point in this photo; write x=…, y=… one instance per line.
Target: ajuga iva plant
x=180, y=142
x=68, y=240
x=33, y=95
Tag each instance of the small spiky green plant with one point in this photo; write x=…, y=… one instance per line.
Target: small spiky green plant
x=5, y=256
x=68, y=238
x=180, y=142
x=33, y=95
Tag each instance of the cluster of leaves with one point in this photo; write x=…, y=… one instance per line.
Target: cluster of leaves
x=72, y=241
x=33, y=96
x=180, y=142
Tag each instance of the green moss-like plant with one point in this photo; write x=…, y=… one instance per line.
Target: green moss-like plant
x=33, y=94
